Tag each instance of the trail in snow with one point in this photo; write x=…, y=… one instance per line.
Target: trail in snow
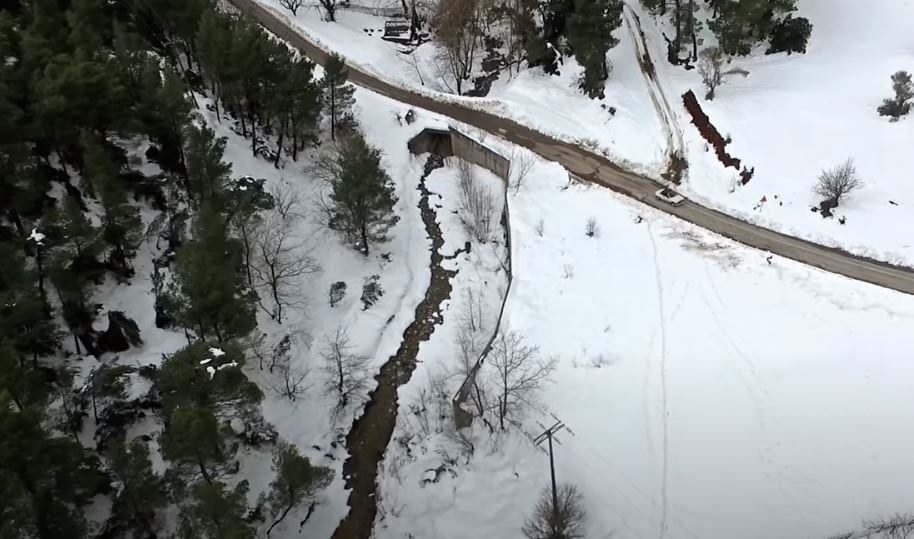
x=663, y=404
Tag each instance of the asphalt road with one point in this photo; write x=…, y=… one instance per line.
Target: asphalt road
x=597, y=169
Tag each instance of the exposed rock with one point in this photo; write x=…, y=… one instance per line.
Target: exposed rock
x=122, y=333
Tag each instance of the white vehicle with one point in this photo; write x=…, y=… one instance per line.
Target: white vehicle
x=670, y=197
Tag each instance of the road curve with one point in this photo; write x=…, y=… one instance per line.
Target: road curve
x=592, y=167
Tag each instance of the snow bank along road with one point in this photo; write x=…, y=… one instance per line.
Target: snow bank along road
x=595, y=168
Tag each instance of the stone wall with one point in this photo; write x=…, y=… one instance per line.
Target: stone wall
x=454, y=143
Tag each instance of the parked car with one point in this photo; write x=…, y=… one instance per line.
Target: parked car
x=670, y=197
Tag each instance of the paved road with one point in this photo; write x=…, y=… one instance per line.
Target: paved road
x=597, y=169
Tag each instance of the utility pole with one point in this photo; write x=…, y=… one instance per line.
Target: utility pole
x=547, y=435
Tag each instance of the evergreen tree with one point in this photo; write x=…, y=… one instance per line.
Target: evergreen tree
x=44, y=480
x=207, y=173
x=362, y=194
x=296, y=480
x=590, y=31
x=296, y=105
x=195, y=376
x=213, y=39
x=141, y=494
x=337, y=93
x=210, y=296
x=25, y=320
x=739, y=24
x=789, y=35
x=22, y=382
x=166, y=112
x=899, y=105
x=121, y=223
x=77, y=243
x=216, y=512
x=107, y=383
x=192, y=439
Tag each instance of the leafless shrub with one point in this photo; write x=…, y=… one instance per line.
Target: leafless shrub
x=477, y=204
x=345, y=373
x=473, y=332
x=540, y=227
x=289, y=381
x=520, y=374
x=522, y=162
x=561, y=518
x=897, y=527
x=457, y=23
x=836, y=183
x=710, y=61
x=292, y=5
x=592, y=228
x=431, y=408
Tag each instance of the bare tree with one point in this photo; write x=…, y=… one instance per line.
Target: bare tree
x=457, y=23
x=289, y=380
x=522, y=162
x=473, y=332
x=710, y=63
x=520, y=373
x=292, y=5
x=896, y=527
x=280, y=261
x=477, y=204
x=710, y=67
x=836, y=183
x=561, y=518
x=330, y=8
x=345, y=373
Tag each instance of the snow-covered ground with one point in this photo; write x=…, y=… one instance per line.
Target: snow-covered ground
x=710, y=394
x=401, y=263
x=552, y=104
x=794, y=116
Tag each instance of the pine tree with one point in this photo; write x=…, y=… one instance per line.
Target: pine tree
x=142, y=494
x=213, y=39
x=590, y=31
x=195, y=376
x=337, y=94
x=207, y=173
x=296, y=480
x=899, y=105
x=739, y=24
x=296, y=105
x=216, y=512
x=22, y=382
x=107, y=383
x=121, y=223
x=44, y=479
x=166, y=113
x=192, y=439
x=210, y=296
x=25, y=319
x=362, y=194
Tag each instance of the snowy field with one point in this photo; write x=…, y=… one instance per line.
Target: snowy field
x=711, y=395
x=553, y=105
x=401, y=263
x=794, y=116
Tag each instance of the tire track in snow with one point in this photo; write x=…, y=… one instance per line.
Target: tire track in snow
x=664, y=506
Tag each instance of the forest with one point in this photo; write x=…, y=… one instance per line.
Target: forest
x=84, y=84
